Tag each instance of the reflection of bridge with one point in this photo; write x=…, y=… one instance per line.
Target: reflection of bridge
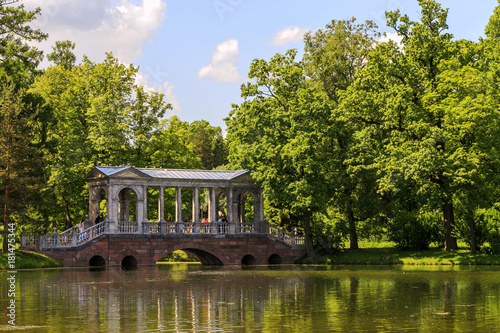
x=143, y=242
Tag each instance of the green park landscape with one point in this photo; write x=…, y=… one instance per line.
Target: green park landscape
x=379, y=153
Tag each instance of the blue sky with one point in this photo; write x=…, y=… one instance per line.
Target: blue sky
x=198, y=52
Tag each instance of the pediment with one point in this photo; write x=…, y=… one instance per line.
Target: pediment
x=95, y=174
x=244, y=178
x=130, y=173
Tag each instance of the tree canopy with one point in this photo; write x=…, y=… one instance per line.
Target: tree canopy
x=358, y=139
x=387, y=139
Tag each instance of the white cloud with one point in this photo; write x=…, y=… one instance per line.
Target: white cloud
x=150, y=81
x=222, y=67
x=170, y=96
x=99, y=26
x=289, y=35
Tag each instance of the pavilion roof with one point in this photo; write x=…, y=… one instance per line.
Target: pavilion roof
x=160, y=173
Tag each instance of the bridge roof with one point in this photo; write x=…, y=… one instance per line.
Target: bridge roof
x=159, y=173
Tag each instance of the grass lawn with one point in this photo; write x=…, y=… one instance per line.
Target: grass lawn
x=28, y=260
x=387, y=254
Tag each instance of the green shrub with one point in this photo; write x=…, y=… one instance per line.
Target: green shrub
x=487, y=230
x=410, y=230
x=179, y=256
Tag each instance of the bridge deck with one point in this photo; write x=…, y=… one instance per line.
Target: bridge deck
x=72, y=238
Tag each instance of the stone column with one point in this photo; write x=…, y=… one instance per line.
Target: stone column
x=212, y=206
x=178, y=205
x=258, y=210
x=141, y=226
x=161, y=205
x=196, y=205
x=229, y=205
x=139, y=216
x=145, y=204
x=124, y=209
x=241, y=207
x=91, y=200
x=112, y=210
x=121, y=207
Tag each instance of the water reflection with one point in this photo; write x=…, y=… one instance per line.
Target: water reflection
x=191, y=298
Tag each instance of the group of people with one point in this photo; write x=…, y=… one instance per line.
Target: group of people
x=82, y=234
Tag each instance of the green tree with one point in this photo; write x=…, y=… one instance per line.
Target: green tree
x=171, y=147
x=209, y=144
x=278, y=132
x=18, y=58
x=63, y=54
x=18, y=62
x=98, y=117
x=416, y=99
x=19, y=159
x=332, y=59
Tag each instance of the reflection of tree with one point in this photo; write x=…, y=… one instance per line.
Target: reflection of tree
x=228, y=299
x=450, y=293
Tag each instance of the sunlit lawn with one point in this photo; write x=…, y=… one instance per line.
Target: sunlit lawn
x=385, y=253
x=28, y=260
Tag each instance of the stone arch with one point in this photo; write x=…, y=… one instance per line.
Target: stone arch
x=129, y=262
x=97, y=261
x=203, y=253
x=137, y=189
x=206, y=258
x=96, y=195
x=248, y=260
x=123, y=208
x=247, y=206
x=93, y=255
x=274, y=259
x=221, y=199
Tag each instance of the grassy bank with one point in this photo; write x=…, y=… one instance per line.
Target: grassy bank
x=28, y=260
x=393, y=256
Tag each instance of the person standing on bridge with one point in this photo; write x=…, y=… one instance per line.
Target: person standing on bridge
x=97, y=218
x=205, y=225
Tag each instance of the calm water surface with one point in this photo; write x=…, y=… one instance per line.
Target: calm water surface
x=191, y=298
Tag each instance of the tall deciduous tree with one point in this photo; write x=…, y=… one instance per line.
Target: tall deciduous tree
x=209, y=144
x=62, y=54
x=426, y=102
x=18, y=62
x=279, y=131
x=19, y=161
x=333, y=57
x=18, y=59
x=99, y=117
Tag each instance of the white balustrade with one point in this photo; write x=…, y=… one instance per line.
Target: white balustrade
x=72, y=237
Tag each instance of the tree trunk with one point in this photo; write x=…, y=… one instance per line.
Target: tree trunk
x=6, y=209
x=450, y=242
x=472, y=229
x=306, y=223
x=353, y=235
x=68, y=215
x=6, y=214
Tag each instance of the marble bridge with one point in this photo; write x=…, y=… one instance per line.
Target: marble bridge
x=119, y=241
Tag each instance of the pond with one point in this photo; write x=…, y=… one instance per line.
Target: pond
x=192, y=298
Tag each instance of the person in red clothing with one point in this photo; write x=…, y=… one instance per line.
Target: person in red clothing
x=205, y=225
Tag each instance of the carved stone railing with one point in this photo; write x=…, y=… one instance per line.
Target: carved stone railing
x=72, y=237
x=245, y=228
x=64, y=239
x=127, y=227
x=285, y=237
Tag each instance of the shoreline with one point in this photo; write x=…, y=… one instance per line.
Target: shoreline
x=363, y=256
